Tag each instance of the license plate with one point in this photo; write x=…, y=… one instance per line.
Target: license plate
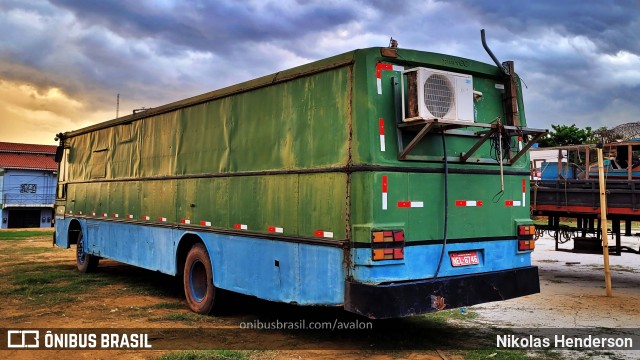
x=464, y=258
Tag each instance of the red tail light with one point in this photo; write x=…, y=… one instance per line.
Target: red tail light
x=526, y=237
x=387, y=244
x=524, y=245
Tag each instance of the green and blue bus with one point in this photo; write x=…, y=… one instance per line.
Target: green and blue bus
x=387, y=181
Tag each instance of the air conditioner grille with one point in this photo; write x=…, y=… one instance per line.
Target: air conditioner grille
x=438, y=95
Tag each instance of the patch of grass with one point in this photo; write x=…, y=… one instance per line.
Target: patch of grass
x=50, y=284
x=454, y=314
x=144, y=289
x=166, y=305
x=508, y=354
x=30, y=250
x=186, y=317
x=38, y=277
x=22, y=235
x=205, y=355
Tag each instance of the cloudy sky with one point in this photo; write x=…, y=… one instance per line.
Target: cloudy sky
x=62, y=62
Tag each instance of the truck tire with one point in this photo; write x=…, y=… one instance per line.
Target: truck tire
x=86, y=263
x=198, y=280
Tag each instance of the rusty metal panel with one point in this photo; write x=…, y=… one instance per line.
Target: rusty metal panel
x=92, y=198
x=158, y=145
x=294, y=125
x=71, y=199
x=124, y=200
x=319, y=66
x=125, y=153
x=158, y=200
x=299, y=124
x=204, y=200
x=323, y=204
x=261, y=202
x=80, y=199
x=202, y=137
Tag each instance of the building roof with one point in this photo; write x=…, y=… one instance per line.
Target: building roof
x=27, y=148
x=27, y=156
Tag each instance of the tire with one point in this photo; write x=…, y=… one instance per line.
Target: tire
x=197, y=280
x=86, y=263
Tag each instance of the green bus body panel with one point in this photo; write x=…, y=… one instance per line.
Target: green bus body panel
x=493, y=219
x=369, y=107
x=300, y=124
x=308, y=124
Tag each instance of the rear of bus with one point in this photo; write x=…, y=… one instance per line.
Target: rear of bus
x=436, y=222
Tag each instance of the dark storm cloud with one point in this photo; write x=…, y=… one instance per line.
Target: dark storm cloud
x=612, y=25
x=156, y=52
x=210, y=26
x=579, y=58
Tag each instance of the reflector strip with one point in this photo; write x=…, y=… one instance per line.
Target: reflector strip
x=93, y=213
x=275, y=229
x=381, y=127
x=240, y=226
x=512, y=203
x=388, y=67
x=129, y=216
x=146, y=217
x=163, y=219
x=469, y=203
x=116, y=215
x=524, y=189
x=79, y=212
x=410, y=204
x=70, y=212
x=185, y=221
x=519, y=143
x=105, y=214
x=384, y=192
x=205, y=223
x=320, y=233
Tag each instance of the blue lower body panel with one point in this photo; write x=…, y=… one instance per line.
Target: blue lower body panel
x=274, y=270
x=421, y=261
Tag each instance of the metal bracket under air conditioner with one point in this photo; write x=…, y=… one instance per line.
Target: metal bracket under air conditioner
x=423, y=127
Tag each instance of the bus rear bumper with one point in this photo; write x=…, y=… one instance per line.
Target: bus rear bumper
x=423, y=296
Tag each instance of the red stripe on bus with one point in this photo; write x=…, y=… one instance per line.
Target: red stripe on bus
x=380, y=67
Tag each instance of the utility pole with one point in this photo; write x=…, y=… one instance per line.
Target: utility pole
x=603, y=221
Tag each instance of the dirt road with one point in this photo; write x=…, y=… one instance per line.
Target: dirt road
x=41, y=289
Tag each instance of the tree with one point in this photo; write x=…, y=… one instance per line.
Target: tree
x=567, y=135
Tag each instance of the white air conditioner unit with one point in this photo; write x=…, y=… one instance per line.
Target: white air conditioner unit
x=436, y=94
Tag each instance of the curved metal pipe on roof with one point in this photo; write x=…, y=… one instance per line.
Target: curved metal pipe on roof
x=493, y=57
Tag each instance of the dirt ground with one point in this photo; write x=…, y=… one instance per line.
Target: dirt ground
x=123, y=297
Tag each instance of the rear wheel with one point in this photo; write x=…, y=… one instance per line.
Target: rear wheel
x=86, y=262
x=198, y=280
